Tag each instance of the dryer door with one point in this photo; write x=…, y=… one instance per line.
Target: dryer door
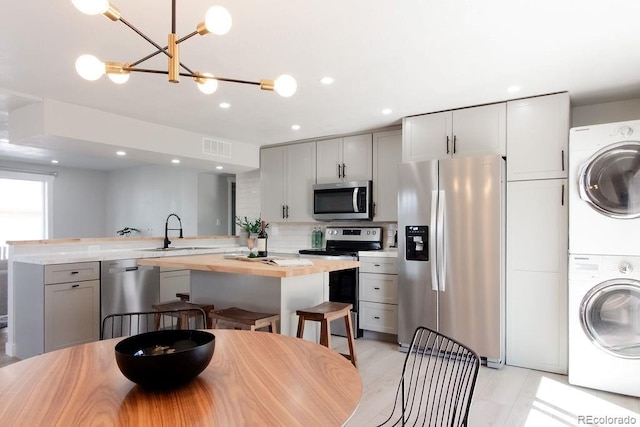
x=610, y=180
x=610, y=316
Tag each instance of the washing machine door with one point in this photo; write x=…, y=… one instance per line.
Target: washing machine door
x=610, y=180
x=610, y=316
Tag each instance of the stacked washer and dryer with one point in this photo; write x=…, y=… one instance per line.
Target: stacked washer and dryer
x=604, y=257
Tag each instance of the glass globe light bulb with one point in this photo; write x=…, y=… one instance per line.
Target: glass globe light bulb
x=285, y=85
x=208, y=86
x=118, y=78
x=91, y=7
x=218, y=20
x=89, y=67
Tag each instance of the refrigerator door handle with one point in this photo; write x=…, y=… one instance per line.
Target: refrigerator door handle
x=433, y=240
x=442, y=254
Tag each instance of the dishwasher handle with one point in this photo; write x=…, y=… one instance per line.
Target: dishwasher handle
x=128, y=269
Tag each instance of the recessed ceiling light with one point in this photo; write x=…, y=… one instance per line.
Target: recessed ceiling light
x=386, y=111
x=513, y=89
x=219, y=167
x=175, y=161
x=225, y=105
x=121, y=153
x=4, y=140
x=326, y=80
x=54, y=161
x=295, y=127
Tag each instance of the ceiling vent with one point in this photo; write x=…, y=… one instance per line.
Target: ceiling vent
x=216, y=148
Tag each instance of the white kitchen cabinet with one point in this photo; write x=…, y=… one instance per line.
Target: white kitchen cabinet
x=538, y=137
x=378, y=294
x=71, y=304
x=287, y=174
x=473, y=130
x=345, y=159
x=387, y=154
x=72, y=314
x=173, y=282
x=536, y=294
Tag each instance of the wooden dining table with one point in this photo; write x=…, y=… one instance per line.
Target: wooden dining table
x=253, y=379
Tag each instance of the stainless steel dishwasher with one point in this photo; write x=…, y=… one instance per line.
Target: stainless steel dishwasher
x=127, y=287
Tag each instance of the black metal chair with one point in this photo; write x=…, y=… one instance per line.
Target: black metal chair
x=438, y=379
x=125, y=324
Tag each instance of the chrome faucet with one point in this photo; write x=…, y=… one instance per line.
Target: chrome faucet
x=167, y=242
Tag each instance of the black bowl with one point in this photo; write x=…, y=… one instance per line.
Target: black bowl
x=165, y=359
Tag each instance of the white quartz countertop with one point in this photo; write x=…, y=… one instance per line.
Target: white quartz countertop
x=115, y=254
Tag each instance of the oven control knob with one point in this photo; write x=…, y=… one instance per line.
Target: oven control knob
x=625, y=268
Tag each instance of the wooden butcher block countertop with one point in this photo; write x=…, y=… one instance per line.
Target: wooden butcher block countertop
x=217, y=263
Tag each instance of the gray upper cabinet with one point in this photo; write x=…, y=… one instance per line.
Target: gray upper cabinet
x=345, y=159
x=387, y=153
x=538, y=137
x=474, y=130
x=287, y=174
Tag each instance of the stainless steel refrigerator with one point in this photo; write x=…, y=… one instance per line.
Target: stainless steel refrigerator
x=451, y=234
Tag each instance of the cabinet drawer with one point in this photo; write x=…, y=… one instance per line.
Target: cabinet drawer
x=76, y=272
x=379, y=288
x=379, y=317
x=384, y=265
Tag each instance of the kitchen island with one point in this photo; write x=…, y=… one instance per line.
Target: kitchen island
x=257, y=286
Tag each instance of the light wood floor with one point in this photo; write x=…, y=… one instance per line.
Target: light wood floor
x=508, y=397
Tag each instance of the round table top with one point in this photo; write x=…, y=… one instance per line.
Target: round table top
x=254, y=378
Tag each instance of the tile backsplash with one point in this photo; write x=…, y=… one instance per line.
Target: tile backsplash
x=298, y=235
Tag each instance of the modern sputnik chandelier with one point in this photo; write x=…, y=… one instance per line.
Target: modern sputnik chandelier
x=217, y=21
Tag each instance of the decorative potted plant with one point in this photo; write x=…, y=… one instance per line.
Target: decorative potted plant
x=127, y=231
x=252, y=228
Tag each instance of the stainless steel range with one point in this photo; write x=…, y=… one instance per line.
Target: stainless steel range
x=344, y=243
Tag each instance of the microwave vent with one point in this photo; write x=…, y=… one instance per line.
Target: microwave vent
x=216, y=148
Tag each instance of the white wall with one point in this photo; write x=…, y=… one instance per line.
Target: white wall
x=79, y=203
x=608, y=112
x=213, y=212
x=142, y=197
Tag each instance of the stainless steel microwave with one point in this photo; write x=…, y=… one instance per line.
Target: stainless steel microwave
x=342, y=201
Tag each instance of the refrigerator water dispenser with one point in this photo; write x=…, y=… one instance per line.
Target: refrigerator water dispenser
x=417, y=244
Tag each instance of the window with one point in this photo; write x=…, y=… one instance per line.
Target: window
x=24, y=207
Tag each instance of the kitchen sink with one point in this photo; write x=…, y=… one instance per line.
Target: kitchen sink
x=178, y=248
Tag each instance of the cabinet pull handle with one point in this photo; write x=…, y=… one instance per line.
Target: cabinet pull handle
x=344, y=170
x=377, y=289
x=75, y=272
x=339, y=172
x=376, y=265
x=455, y=138
x=287, y=211
x=447, y=144
x=562, y=159
x=374, y=209
x=283, y=212
x=376, y=317
x=562, y=196
x=74, y=286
